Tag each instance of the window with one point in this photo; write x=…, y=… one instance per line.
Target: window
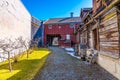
x=72, y=25
x=84, y=38
x=59, y=27
x=49, y=26
x=67, y=37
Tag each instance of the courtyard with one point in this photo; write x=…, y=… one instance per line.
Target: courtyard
x=61, y=66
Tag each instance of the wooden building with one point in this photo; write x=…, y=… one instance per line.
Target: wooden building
x=83, y=13
x=60, y=31
x=100, y=32
x=81, y=32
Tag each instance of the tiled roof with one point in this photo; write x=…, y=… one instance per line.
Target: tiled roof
x=63, y=20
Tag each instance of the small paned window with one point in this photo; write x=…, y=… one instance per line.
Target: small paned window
x=49, y=26
x=72, y=25
x=68, y=37
x=59, y=27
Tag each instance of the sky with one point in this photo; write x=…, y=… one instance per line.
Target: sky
x=45, y=9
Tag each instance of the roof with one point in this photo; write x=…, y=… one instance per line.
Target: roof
x=35, y=22
x=63, y=20
x=85, y=11
x=33, y=19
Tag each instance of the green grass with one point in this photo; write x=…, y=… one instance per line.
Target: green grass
x=24, y=69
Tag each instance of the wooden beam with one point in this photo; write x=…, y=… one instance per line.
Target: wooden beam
x=104, y=3
x=102, y=12
x=107, y=8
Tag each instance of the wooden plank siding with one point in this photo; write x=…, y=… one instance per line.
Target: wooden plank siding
x=108, y=33
x=119, y=30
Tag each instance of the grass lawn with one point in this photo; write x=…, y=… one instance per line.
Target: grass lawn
x=24, y=69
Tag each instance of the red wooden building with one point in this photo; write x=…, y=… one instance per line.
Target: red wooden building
x=60, y=31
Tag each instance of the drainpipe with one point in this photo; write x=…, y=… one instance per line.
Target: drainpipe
x=74, y=27
x=42, y=33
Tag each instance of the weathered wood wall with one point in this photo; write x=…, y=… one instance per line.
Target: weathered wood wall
x=108, y=33
x=119, y=29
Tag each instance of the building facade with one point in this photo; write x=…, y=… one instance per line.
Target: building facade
x=102, y=34
x=15, y=22
x=60, y=31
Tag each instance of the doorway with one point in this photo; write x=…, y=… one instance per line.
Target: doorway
x=53, y=39
x=95, y=39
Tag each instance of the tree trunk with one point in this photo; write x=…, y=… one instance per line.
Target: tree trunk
x=27, y=53
x=10, y=66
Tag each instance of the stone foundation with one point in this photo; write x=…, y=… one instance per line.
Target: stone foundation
x=110, y=64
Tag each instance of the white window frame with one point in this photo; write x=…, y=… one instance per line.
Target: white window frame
x=68, y=37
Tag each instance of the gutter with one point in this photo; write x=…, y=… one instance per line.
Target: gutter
x=61, y=23
x=42, y=33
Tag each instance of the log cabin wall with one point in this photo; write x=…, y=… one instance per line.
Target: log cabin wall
x=108, y=33
x=119, y=28
x=88, y=38
x=99, y=5
x=108, y=36
x=85, y=31
x=108, y=56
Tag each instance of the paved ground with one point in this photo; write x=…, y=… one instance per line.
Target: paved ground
x=61, y=66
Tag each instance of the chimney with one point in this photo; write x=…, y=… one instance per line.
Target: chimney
x=71, y=14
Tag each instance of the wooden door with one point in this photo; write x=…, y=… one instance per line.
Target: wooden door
x=95, y=39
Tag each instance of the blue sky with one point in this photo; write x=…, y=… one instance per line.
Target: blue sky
x=45, y=9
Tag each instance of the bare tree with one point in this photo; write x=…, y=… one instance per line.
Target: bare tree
x=7, y=46
x=17, y=47
x=35, y=42
x=25, y=44
x=29, y=44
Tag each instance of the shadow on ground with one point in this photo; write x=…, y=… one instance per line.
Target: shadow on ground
x=26, y=67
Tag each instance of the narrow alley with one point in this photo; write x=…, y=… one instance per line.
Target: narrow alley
x=61, y=66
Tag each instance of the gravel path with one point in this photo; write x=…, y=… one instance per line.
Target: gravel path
x=61, y=66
